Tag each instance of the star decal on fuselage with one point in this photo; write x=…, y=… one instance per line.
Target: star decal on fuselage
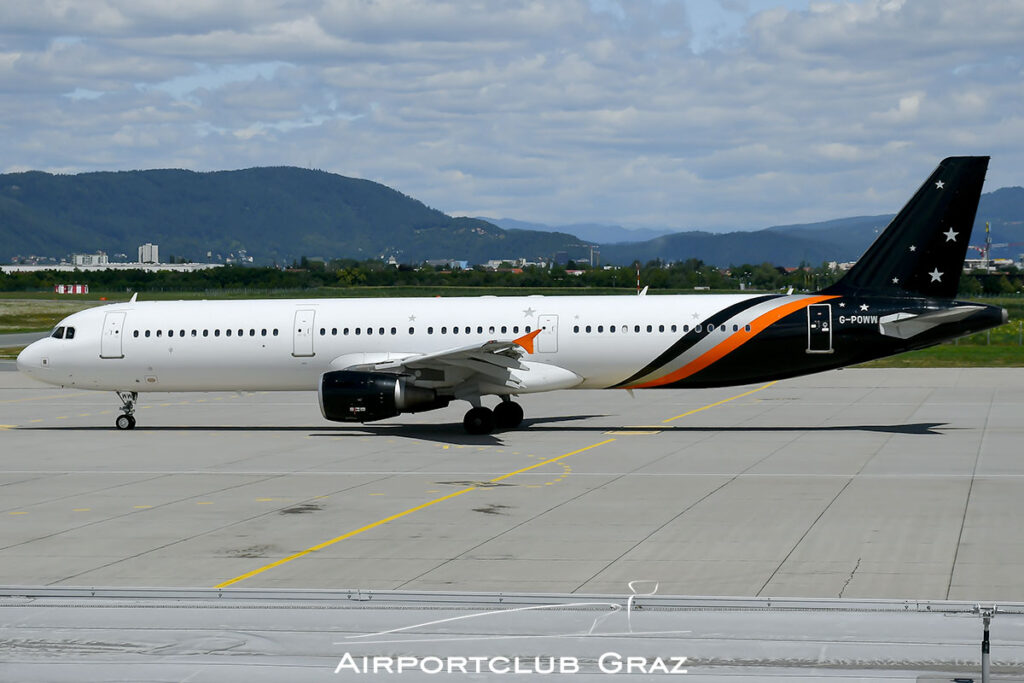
x=412, y=318
x=939, y=184
x=913, y=247
x=863, y=307
x=895, y=280
x=527, y=312
x=951, y=235
x=936, y=275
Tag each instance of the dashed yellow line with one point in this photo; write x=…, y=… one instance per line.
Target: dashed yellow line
x=712, y=405
x=399, y=515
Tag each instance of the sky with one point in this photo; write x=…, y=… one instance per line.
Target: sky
x=680, y=114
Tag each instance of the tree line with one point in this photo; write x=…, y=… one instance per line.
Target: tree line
x=345, y=273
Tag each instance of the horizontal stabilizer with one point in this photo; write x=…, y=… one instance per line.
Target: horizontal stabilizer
x=907, y=325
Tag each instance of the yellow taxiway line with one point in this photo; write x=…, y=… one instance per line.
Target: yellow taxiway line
x=382, y=522
x=456, y=494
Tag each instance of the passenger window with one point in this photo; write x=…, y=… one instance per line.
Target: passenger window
x=430, y=330
x=69, y=333
x=241, y=333
x=479, y=330
x=323, y=331
x=469, y=329
x=444, y=330
x=275, y=331
x=359, y=331
x=227, y=332
x=147, y=333
x=369, y=330
x=181, y=333
x=252, y=333
x=746, y=328
x=58, y=333
x=515, y=329
x=490, y=330
x=393, y=331
x=380, y=331
x=686, y=328
x=735, y=328
x=661, y=328
x=334, y=331
x=588, y=329
x=576, y=329
x=412, y=330
x=170, y=333
x=697, y=328
x=263, y=332
x=159, y=333
x=455, y=330
x=345, y=331
x=611, y=328
x=216, y=333
x=206, y=333
x=504, y=329
x=600, y=328
x=135, y=333
x=195, y=333
x=650, y=328
x=673, y=328
x=636, y=328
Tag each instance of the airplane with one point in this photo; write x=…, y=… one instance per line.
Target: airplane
x=371, y=359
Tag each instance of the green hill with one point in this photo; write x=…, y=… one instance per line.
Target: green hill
x=276, y=214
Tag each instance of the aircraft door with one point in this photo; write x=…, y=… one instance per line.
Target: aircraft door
x=547, y=340
x=303, y=333
x=819, y=328
x=110, y=340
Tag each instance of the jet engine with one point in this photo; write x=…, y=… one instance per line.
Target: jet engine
x=349, y=396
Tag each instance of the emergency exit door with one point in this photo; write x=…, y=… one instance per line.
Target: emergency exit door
x=302, y=335
x=819, y=328
x=547, y=340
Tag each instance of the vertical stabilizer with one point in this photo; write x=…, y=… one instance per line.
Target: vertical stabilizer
x=921, y=252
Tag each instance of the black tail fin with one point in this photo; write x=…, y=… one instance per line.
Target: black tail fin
x=921, y=252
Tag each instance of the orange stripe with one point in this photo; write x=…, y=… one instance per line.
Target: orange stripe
x=732, y=342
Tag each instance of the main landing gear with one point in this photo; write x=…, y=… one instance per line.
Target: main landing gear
x=126, y=420
x=506, y=415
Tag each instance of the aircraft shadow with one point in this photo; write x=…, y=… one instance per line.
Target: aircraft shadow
x=452, y=433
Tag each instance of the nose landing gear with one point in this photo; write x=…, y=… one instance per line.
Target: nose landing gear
x=126, y=420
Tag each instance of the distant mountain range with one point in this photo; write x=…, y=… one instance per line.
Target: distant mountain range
x=275, y=214
x=281, y=214
x=591, y=232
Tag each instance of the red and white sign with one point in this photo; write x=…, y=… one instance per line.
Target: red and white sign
x=71, y=289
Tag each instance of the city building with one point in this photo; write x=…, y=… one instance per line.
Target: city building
x=149, y=253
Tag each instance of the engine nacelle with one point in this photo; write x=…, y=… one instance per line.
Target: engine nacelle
x=348, y=396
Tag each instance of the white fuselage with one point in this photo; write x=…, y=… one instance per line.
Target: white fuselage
x=289, y=344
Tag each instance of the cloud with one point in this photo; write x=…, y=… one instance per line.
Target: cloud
x=650, y=112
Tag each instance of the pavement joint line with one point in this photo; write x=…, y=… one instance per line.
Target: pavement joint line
x=399, y=515
x=712, y=405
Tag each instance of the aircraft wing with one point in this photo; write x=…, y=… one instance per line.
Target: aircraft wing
x=496, y=366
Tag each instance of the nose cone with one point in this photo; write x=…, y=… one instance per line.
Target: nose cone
x=1006, y=316
x=29, y=359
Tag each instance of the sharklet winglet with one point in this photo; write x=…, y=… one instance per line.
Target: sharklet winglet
x=526, y=341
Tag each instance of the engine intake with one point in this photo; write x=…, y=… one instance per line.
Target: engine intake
x=348, y=396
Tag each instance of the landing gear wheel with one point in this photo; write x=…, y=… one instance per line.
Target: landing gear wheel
x=125, y=422
x=508, y=414
x=479, y=421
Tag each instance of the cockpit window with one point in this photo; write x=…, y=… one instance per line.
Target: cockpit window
x=58, y=333
x=69, y=333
